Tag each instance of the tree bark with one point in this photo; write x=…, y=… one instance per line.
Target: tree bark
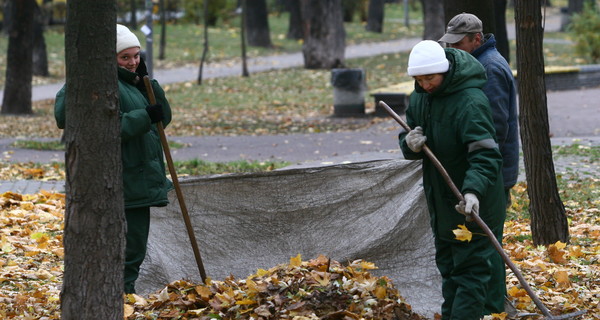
x=492, y=14
x=19, y=58
x=433, y=16
x=94, y=232
x=324, y=34
x=375, y=16
x=501, y=35
x=163, y=30
x=205, y=43
x=295, y=28
x=348, y=9
x=548, y=219
x=483, y=9
x=133, y=17
x=40, y=54
x=257, y=24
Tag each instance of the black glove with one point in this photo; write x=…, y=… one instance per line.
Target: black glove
x=155, y=112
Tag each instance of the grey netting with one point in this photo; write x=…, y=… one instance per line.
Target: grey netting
x=374, y=211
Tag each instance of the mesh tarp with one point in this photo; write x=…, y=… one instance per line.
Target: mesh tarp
x=375, y=211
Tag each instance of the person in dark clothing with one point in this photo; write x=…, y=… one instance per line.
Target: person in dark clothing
x=450, y=112
x=145, y=183
x=464, y=31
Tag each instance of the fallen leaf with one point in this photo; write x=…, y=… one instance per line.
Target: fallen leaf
x=462, y=234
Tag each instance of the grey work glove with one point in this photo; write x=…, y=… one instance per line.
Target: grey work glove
x=469, y=206
x=415, y=139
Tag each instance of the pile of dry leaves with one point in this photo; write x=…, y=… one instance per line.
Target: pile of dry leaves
x=301, y=290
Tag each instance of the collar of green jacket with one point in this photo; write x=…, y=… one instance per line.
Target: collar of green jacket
x=464, y=72
x=133, y=78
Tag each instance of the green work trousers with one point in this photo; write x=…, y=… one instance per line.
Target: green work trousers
x=473, y=278
x=138, y=227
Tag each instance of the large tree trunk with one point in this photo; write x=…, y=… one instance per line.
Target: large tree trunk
x=295, y=28
x=433, y=20
x=94, y=232
x=483, y=9
x=257, y=24
x=548, y=220
x=492, y=14
x=40, y=55
x=324, y=34
x=348, y=9
x=375, y=16
x=501, y=34
x=19, y=58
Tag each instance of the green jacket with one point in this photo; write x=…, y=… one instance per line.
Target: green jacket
x=144, y=178
x=457, y=121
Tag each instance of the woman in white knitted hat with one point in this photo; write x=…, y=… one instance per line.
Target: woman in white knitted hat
x=450, y=112
x=144, y=177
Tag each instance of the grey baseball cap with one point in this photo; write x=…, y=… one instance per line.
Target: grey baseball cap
x=459, y=26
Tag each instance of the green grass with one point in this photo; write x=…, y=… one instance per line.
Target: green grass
x=591, y=153
x=55, y=145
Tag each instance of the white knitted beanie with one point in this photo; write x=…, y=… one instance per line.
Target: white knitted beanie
x=126, y=39
x=427, y=57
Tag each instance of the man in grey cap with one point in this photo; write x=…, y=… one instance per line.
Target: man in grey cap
x=465, y=32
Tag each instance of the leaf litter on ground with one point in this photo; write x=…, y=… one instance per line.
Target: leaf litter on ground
x=564, y=276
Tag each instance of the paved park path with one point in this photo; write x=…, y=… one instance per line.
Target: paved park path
x=574, y=117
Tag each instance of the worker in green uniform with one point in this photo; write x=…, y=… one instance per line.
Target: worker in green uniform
x=450, y=112
x=145, y=183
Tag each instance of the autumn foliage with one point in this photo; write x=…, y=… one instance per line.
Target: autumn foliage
x=565, y=277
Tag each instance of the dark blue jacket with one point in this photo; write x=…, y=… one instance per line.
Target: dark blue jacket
x=500, y=90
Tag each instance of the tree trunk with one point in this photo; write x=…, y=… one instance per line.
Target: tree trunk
x=501, y=35
x=324, y=34
x=348, y=9
x=205, y=43
x=375, y=16
x=492, y=14
x=548, y=219
x=163, y=30
x=483, y=9
x=40, y=55
x=94, y=232
x=433, y=20
x=19, y=58
x=295, y=28
x=133, y=12
x=245, y=72
x=257, y=24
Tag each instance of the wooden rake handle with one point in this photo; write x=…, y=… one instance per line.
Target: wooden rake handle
x=184, y=211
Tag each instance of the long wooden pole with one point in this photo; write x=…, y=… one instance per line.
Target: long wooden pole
x=184, y=211
x=482, y=225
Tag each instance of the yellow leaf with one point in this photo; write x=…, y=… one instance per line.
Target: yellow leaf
x=380, y=292
x=562, y=278
x=261, y=272
x=128, y=310
x=365, y=265
x=462, y=234
x=204, y=292
x=560, y=245
x=296, y=261
x=245, y=302
x=501, y=316
x=556, y=254
x=321, y=277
